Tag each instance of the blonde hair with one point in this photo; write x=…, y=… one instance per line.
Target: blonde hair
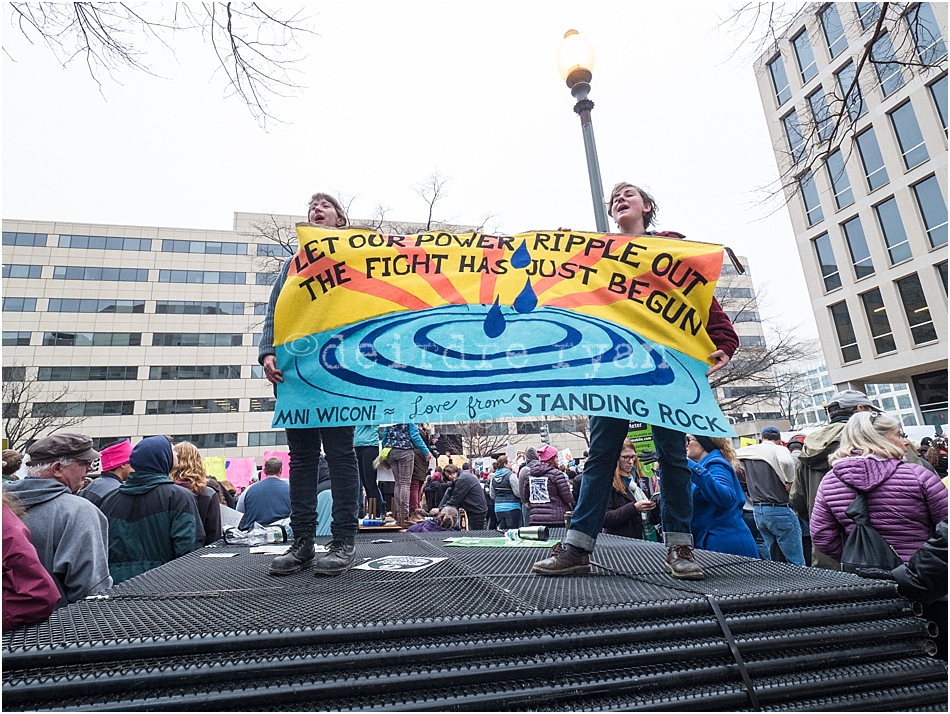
x=725, y=448
x=448, y=518
x=190, y=468
x=620, y=486
x=866, y=432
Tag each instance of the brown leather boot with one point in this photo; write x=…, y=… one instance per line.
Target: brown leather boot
x=564, y=560
x=681, y=564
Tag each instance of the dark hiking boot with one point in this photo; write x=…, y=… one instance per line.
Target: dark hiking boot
x=339, y=558
x=564, y=560
x=681, y=564
x=297, y=557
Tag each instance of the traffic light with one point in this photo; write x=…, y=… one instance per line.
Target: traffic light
x=544, y=432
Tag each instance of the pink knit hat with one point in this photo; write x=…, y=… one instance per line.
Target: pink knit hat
x=546, y=452
x=116, y=455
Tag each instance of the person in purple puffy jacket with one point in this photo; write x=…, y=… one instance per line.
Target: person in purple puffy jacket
x=905, y=501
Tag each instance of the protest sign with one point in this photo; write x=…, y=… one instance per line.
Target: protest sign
x=240, y=471
x=214, y=467
x=284, y=457
x=373, y=328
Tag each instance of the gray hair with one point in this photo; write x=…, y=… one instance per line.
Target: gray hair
x=39, y=470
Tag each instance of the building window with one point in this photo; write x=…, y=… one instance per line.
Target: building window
x=804, y=55
x=933, y=209
x=267, y=278
x=793, y=133
x=82, y=409
x=100, y=306
x=267, y=438
x=14, y=374
x=826, y=261
x=31, y=240
x=208, y=441
x=528, y=427
x=840, y=183
x=277, y=250
x=92, y=339
x=868, y=12
x=723, y=292
x=19, y=304
x=104, y=243
x=847, y=340
x=743, y=316
x=810, y=196
x=16, y=339
x=257, y=371
x=101, y=442
x=926, y=33
x=851, y=91
x=191, y=406
x=196, y=339
x=916, y=309
x=877, y=322
x=195, y=372
x=12, y=270
x=834, y=31
x=263, y=404
x=938, y=92
x=123, y=275
x=822, y=114
x=192, y=307
x=752, y=340
x=858, y=247
x=212, y=277
x=889, y=216
x=260, y=308
x=885, y=63
x=903, y=401
x=206, y=247
x=872, y=160
x=942, y=272
x=908, y=135
x=86, y=374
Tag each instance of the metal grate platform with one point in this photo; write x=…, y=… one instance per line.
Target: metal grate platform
x=479, y=631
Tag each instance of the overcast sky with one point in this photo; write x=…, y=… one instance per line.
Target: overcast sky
x=395, y=90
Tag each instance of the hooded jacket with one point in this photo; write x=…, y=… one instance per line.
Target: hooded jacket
x=151, y=520
x=717, y=507
x=812, y=465
x=547, y=493
x=70, y=535
x=29, y=591
x=906, y=503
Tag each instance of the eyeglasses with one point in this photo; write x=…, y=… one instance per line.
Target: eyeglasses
x=632, y=457
x=689, y=440
x=85, y=464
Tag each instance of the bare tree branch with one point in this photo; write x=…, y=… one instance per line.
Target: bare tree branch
x=31, y=408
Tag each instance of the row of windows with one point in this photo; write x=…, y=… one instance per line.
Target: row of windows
x=33, y=240
x=125, y=339
x=13, y=270
x=725, y=292
x=18, y=304
x=137, y=275
x=933, y=210
x=205, y=247
x=86, y=374
x=82, y=409
x=214, y=277
x=915, y=308
x=162, y=307
x=92, y=339
x=127, y=372
x=191, y=406
x=105, y=243
x=921, y=23
x=76, y=272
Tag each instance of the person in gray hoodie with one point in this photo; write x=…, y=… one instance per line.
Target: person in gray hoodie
x=69, y=533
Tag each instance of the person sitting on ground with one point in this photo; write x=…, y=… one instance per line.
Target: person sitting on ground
x=504, y=491
x=190, y=473
x=268, y=500
x=115, y=470
x=152, y=521
x=29, y=591
x=546, y=490
x=627, y=502
x=447, y=519
x=12, y=460
x=717, y=498
x=70, y=535
x=466, y=493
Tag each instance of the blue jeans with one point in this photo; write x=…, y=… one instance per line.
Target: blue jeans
x=779, y=524
x=606, y=442
x=304, y=446
x=509, y=519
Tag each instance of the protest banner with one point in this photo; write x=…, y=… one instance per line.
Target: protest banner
x=372, y=328
x=214, y=467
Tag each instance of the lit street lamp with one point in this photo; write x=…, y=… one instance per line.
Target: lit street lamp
x=575, y=62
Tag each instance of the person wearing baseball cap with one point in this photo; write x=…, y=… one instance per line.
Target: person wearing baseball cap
x=115, y=470
x=70, y=534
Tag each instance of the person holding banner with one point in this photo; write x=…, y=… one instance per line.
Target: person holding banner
x=634, y=210
x=304, y=445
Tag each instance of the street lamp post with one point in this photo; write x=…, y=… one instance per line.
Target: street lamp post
x=575, y=62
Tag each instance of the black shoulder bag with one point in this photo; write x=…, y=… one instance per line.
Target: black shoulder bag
x=864, y=546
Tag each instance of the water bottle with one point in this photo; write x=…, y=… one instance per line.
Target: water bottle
x=258, y=535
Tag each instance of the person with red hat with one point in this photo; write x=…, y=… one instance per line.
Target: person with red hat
x=115, y=470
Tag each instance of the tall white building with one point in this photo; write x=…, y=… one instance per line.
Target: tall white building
x=862, y=149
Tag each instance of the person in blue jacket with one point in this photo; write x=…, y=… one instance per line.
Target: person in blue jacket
x=717, y=523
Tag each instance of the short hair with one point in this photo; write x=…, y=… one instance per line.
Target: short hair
x=273, y=466
x=466, y=466
x=649, y=217
x=450, y=469
x=333, y=200
x=11, y=461
x=448, y=517
x=867, y=433
x=770, y=436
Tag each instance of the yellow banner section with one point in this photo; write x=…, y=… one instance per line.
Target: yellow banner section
x=660, y=288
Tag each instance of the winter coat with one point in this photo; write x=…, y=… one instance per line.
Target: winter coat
x=209, y=510
x=100, y=488
x=466, y=493
x=71, y=536
x=906, y=504
x=29, y=591
x=812, y=465
x=151, y=522
x=547, y=493
x=622, y=517
x=924, y=578
x=504, y=488
x=718, y=499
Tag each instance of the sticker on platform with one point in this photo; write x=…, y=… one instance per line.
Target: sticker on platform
x=218, y=555
x=402, y=563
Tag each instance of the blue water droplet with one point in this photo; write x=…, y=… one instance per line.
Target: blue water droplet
x=521, y=258
x=494, y=323
x=526, y=300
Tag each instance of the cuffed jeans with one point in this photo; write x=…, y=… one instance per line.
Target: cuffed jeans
x=779, y=524
x=606, y=442
x=304, y=446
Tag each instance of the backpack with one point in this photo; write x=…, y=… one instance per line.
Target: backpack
x=864, y=546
